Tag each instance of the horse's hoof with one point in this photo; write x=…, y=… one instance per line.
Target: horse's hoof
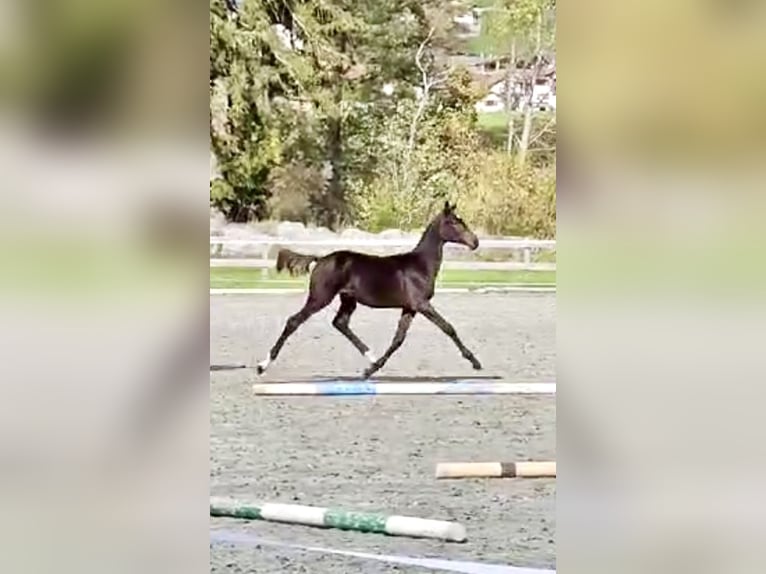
x=476, y=365
x=263, y=365
x=369, y=371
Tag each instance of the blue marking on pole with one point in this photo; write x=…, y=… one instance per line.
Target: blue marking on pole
x=347, y=388
x=370, y=387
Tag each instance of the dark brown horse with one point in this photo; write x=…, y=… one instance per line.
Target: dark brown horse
x=403, y=281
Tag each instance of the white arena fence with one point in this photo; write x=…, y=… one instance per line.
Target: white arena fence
x=261, y=252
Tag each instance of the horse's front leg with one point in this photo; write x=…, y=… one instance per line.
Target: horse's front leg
x=401, y=332
x=432, y=315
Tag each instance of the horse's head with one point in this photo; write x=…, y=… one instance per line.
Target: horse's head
x=453, y=229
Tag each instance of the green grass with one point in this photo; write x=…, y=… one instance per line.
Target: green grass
x=495, y=120
x=545, y=257
x=497, y=43
x=487, y=43
x=483, y=44
x=244, y=278
x=494, y=126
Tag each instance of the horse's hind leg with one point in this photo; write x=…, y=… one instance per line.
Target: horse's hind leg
x=432, y=315
x=401, y=332
x=341, y=320
x=316, y=302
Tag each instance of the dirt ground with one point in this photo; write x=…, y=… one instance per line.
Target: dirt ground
x=379, y=453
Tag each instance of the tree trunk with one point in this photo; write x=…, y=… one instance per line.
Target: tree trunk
x=237, y=211
x=527, y=130
x=509, y=84
x=333, y=204
x=426, y=86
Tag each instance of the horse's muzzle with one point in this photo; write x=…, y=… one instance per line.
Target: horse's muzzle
x=472, y=242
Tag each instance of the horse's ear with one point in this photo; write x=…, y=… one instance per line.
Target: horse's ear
x=447, y=207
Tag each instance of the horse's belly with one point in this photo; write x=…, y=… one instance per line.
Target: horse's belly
x=381, y=293
x=379, y=301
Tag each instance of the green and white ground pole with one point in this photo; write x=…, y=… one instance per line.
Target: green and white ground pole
x=342, y=519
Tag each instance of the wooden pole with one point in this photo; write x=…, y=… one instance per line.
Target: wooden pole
x=530, y=469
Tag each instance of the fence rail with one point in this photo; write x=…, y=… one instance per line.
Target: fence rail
x=452, y=265
x=526, y=246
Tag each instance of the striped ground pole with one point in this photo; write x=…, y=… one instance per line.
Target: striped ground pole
x=342, y=519
x=459, y=387
x=531, y=469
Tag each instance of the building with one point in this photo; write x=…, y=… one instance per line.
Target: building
x=495, y=83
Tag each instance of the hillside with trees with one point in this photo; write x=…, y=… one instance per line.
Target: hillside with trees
x=364, y=113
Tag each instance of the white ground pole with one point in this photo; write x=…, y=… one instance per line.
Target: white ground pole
x=466, y=387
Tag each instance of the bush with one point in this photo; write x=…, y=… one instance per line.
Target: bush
x=393, y=186
x=402, y=187
x=506, y=199
x=493, y=195
x=237, y=204
x=294, y=189
x=388, y=202
x=494, y=131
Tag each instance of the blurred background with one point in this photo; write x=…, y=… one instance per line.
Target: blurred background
x=660, y=289
x=103, y=204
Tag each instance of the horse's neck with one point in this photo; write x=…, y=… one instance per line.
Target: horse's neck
x=431, y=247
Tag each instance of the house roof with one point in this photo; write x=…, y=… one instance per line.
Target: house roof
x=485, y=80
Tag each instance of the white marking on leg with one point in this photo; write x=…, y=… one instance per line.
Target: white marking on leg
x=264, y=364
x=370, y=356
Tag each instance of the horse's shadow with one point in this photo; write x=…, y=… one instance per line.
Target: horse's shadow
x=403, y=379
x=228, y=367
x=356, y=378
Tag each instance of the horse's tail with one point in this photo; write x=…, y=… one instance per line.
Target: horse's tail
x=294, y=263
